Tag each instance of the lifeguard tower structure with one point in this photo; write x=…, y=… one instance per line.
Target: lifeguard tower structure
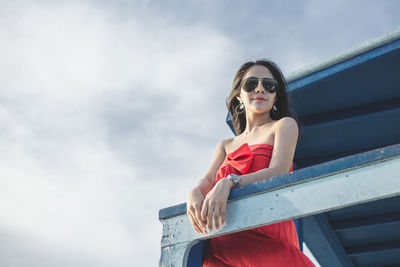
x=345, y=191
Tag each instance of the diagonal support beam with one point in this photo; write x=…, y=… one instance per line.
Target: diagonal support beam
x=331, y=253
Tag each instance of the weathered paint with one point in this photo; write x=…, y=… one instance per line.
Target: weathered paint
x=356, y=185
x=301, y=176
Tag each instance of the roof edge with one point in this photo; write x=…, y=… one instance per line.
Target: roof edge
x=349, y=53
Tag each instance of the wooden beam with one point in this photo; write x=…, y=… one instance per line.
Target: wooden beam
x=371, y=182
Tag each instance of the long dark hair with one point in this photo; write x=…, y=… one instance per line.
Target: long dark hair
x=282, y=103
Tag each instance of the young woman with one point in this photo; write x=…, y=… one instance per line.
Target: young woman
x=266, y=137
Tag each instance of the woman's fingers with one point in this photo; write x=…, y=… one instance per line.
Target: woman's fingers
x=196, y=224
x=213, y=212
x=209, y=218
x=213, y=215
x=219, y=216
x=216, y=217
x=192, y=221
x=194, y=204
x=197, y=215
x=223, y=214
x=204, y=212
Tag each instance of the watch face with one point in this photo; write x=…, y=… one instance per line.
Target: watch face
x=235, y=179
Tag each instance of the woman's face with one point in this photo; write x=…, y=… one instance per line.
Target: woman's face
x=259, y=100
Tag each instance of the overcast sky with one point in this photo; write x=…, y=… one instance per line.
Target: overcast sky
x=111, y=110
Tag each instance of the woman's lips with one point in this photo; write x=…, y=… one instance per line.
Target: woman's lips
x=260, y=98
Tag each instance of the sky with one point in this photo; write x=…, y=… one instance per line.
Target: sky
x=111, y=110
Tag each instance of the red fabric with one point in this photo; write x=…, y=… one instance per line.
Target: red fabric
x=272, y=245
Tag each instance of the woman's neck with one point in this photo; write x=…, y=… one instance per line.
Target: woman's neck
x=254, y=121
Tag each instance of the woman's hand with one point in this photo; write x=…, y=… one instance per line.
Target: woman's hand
x=194, y=203
x=204, y=186
x=214, y=205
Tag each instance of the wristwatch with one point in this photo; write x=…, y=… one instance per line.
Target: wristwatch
x=235, y=179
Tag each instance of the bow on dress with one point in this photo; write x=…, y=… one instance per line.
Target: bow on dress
x=236, y=162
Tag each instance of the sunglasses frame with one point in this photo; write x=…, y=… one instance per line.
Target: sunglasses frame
x=266, y=82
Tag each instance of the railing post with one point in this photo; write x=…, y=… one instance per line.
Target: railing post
x=175, y=255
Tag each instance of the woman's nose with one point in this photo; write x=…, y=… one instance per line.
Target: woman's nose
x=259, y=88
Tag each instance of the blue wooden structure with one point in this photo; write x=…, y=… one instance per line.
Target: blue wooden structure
x=345, y=191
x=349, y=105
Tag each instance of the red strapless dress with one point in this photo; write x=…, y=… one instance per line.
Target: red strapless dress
x=273, y=245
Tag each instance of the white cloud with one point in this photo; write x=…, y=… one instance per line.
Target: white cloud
x=109, y=112
x=83, y=91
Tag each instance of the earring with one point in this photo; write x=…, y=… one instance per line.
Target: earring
x=274, y=108
x=240, y=106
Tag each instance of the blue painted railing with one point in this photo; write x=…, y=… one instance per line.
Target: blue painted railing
x=300, y=176
x=342, y=177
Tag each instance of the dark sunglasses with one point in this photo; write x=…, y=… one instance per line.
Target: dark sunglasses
x=251, y=83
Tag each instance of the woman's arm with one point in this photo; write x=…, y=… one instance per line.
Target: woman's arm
x=286, y=135
x=197, y=194
x=207, y=182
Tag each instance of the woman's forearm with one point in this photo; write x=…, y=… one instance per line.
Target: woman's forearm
x=260, y=175
x=204, y=185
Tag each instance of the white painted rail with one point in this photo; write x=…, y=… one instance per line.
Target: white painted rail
x=325, y=190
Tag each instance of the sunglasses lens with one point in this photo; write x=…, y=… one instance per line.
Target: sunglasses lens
x=249, y=84
x=269, y=85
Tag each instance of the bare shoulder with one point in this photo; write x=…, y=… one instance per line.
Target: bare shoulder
x=287, y=123
x=287, y=129
x=233, y=143
x=221, y=146
x=225, y=143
